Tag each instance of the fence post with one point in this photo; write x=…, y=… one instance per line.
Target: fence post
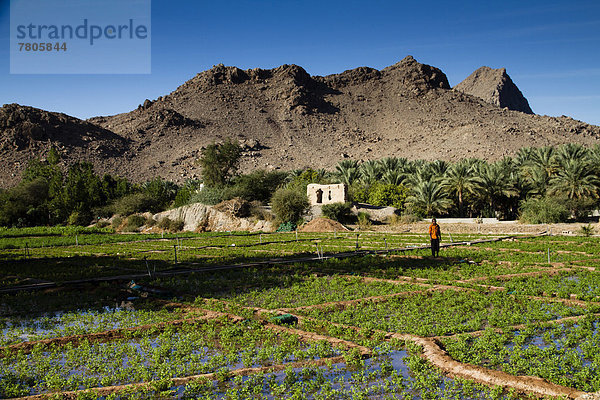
x=357, y=241
x=175, y=249
x=76, y=241
x=148, y=267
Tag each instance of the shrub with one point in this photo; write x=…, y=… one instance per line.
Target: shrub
x=289, y=204
x=337, y=211
x=80, y=218
x=208, y=195
x=135, y=203
x=586, y=230
x=364, y=222
x=286, y=227
x=185, y=193
x=133, y=223
x=236, y=207
x=103, y=223
x=386, y=195
x=176, y=225
x=379, y=194
x=258, y=212
x=545, y=210
x=116, y=222
x=164, y=223
x=256, y=186
x=406, y=218
x=150, y=221
x=172, y=225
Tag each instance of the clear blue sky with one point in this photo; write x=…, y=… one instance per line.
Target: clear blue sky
x=551, y=49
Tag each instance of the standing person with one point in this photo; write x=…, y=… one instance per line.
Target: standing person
x=436, y=236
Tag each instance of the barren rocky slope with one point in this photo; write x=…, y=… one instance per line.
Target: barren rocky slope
x=286, y=119
x=27, y=132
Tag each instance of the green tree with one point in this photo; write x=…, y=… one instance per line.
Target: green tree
x=574, y=179
x=385, y=195
x=429, y=197
x=459, y=181
x=219, y=162
x=289, y=204
x=255, y=186
x=493, y=184
x=161, y=191
x=370, y=171
x=347, y=171
x=82, y=191
x=25, y=205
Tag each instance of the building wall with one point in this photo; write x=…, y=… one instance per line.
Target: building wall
x=327, y=194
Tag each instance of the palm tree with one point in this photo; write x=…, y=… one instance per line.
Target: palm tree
x=430, y=197
x=570, y=151
x=347, y=171
x=544, y=158
x=538, y=179
x=418, y=176
x=369, y=171
x=438, y=168
x=492, y=184
x=594, y=158
x=388, y=164
x=539, y=169
x=524, y=156
x=458, y=181
x=393, y=177
x=575, y=179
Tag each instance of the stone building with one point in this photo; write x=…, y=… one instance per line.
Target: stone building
x=319, y=195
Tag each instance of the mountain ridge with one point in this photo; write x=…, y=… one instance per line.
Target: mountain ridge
x=285, y=118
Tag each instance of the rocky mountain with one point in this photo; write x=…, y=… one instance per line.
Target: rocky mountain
x=285, y=118
x=495, y=87
x=27, y=132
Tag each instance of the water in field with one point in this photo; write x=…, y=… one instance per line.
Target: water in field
x=58, y=324
x=391, y=374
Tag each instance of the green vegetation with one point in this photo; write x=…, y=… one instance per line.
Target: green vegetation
x=219, y=162
x=565, y=354
x=337, y=211
x=289, y=205
x=340, y=301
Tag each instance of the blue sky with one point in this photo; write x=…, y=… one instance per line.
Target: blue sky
x=551, y=49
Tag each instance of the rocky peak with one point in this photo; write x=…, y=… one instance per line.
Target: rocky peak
x=495, y=86
x=415, y=75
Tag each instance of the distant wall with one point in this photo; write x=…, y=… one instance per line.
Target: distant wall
x=319, y=195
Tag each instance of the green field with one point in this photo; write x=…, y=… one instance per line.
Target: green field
x=199, y=321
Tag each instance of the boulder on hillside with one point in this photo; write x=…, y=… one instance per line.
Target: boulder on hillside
x=204, y=218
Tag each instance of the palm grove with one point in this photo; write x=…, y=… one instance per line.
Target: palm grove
x=537, y=185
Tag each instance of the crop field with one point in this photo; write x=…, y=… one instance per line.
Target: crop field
x=89, y=314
